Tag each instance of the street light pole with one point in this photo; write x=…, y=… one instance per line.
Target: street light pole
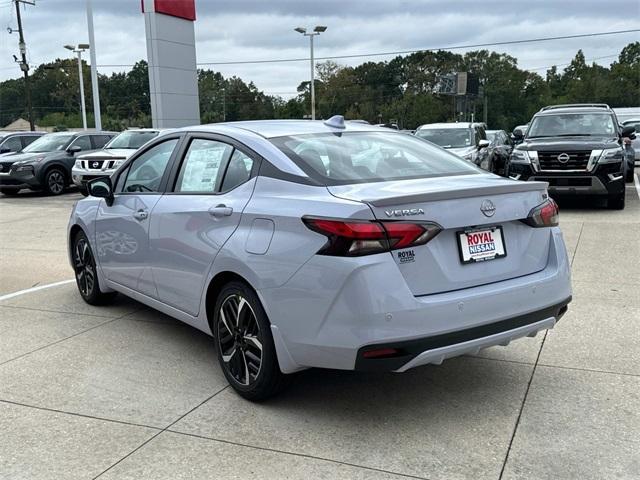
x=82, y=106
x=81, y=48
x=316, y=31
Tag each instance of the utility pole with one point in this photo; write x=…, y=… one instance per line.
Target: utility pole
x=24, y=66
x=224, y=105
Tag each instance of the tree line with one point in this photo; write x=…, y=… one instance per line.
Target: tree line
x=402, y=90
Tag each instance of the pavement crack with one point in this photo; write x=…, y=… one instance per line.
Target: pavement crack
x=296, y=454
x=160, y=432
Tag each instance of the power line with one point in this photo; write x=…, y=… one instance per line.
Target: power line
x=402, y=52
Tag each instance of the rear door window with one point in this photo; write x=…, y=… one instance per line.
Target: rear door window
x=84, y=142
x=238, y=171
x=202, y=166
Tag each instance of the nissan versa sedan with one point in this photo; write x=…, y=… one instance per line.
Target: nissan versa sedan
x=300, y=244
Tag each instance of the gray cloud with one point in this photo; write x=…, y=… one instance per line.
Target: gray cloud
x=259, y=29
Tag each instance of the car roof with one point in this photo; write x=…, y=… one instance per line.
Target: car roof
x=21, y=132
x=571, y=110
x=281, y=128
x=447, y=125
x=141, y=130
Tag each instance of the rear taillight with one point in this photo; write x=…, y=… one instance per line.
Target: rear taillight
x=349, y=238
x=544, y=215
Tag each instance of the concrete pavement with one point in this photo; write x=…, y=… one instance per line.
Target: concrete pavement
x=124, y=392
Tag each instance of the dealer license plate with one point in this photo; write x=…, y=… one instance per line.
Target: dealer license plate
x=480, y=245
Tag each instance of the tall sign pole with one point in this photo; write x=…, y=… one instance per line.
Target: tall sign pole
x=24, y=66
x=171, y=56
x=94, y=69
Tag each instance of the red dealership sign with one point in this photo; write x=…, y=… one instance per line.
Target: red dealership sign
x=176, y=8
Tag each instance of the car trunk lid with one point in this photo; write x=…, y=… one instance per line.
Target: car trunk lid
x=455, y=204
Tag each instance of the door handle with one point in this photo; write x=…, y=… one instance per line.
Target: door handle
x=141, y=215
x=221, y=211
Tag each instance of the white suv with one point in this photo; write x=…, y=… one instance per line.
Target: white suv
x=106, y=161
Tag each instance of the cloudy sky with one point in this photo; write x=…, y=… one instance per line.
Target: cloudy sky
x=245, y=30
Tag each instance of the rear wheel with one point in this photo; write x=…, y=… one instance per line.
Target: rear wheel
x=244, y=343
x=616, y=202
x=55, y=181
x=86, y=274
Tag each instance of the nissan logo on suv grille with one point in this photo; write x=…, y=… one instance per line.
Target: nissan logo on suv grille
x=563, y=157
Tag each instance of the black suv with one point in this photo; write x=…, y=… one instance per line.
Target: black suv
x=576, y=148
x=46, y=163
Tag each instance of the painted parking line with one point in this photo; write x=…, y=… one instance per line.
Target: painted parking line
x=636, y=180
x=34, y=289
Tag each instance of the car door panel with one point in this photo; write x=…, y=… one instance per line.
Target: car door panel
x=122, y=240
x=122, y=229
x=187, y=231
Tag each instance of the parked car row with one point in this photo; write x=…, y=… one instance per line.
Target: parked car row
x=578, y=149
x=52, y=162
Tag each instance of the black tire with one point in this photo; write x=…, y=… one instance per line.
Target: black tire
x=629, y=176
x=11, y=192
x=83, y=190
x=244, y=343
x=84, y=265
x=616, y=202
x=55, y=181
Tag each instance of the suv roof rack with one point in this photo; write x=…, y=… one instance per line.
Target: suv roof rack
x=576, y=105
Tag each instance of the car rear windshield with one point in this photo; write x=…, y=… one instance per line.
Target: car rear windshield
x=447, y=137
x=572, y=124
x=358, y=157
x=131, y=139
x=48, y=143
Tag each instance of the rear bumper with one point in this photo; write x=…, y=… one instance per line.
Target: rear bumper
x=328, y=314
x=437, y=348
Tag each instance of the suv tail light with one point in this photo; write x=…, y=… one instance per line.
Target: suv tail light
x=546, y=214
x=353, y=238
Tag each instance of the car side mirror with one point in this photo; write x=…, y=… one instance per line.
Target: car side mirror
x=101, y=187
x=483, y=144
x=74, y=149
x=518, y=134
x=4, y=150
x=628, y=131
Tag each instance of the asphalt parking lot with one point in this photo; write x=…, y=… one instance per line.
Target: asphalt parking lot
x=123, y=392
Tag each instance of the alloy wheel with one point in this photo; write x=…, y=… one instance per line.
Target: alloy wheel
x=55, y=181
x=240, y=339
x=85, y=275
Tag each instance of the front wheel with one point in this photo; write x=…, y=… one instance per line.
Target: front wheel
x=246, y=351
x=616, y=202
x=86, y=273
x=10, y=192
x=55, y=181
